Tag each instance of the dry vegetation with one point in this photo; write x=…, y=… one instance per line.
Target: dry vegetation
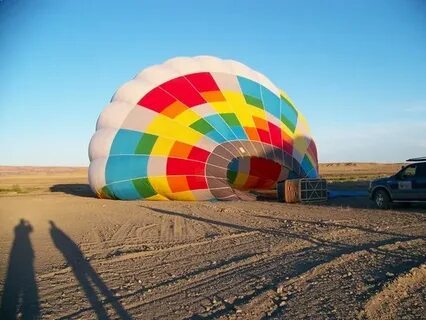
x=177, y=260
x=357, y=171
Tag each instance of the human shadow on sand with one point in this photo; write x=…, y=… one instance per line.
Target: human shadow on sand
x=89, y=280
x=20, y=295
x=75, y=189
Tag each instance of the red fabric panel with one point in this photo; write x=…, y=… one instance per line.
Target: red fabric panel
x=198, y=154
x=264, y=136
x=196, y=183
x=266, y=184
x=312, y=150
x=264, y=168
x=183, y=91
x=156, y=100
x=275, y=135
x=177, y=166
x=287, y=143
x=203, y=81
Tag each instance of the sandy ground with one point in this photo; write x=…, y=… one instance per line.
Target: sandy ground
x=67, y=255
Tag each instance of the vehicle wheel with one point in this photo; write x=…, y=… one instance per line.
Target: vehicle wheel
x=382, y=200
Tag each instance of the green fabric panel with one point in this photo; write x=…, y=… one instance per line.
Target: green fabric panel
x=231, y=119
x=232, y=175
x=144, y=187
x=253, y=101
x=202, y=126
x=107, y=192
x=288, y=123
x=146, y=143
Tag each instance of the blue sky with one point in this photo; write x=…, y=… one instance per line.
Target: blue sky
x=356, y=69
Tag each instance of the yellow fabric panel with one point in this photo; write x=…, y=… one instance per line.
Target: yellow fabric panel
x=157, y=197
x=187, y=117
x=300, y=144
x=169, y=128
x=183, y=196
x=243, y=115
x=241, y=179
x=243, y=111
x=234, y=97
x=256, y=112
x=162, y=147
x=160, y=185
x=221, y=106
x=302, y=126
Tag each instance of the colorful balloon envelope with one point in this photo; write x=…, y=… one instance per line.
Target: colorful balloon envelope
x=198, y=129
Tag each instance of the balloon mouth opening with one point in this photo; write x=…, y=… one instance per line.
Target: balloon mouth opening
x=254, y=173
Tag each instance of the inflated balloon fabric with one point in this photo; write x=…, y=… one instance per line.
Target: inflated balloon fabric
x=198, y=129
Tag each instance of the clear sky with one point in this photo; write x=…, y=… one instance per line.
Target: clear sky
x=356, y=69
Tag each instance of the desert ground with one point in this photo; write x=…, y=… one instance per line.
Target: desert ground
x=65, y=254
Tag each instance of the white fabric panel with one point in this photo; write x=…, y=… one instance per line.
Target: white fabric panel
x=100, y=144
x=97, y=174
x=184, y=65
x=113, y=115
x=267, y=83
x=138, y=119
x=202, y=195
x=242, y=70
x=274, y=120
x=204, y=110
x=213, y=64
x=157, y=75
x=226, y=82
x=206, y=143
x=132, y=91
x=157, y=166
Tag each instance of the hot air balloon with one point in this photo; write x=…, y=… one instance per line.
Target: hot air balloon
x=198, y=129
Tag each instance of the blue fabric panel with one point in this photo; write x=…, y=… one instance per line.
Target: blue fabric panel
x=220, y=126
x=124, y=190
x=313, y=174
x=239, y=132
x=126, y=167
x=306, y=165
x=125, y=142
x=293, y=175
x=215, y=136
x=233, y=165
x=271, y=103
x=250, y=87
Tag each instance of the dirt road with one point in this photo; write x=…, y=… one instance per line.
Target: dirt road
x=65, y=254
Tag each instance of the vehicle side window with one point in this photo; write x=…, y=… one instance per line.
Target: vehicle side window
x=421, y=170
x=409, y=172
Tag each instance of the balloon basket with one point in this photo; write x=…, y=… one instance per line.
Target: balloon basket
x=302, y=190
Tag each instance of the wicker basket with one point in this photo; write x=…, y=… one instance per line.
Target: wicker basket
x=292, y=191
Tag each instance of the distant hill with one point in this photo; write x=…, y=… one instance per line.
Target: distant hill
x=338, y=170
x=357, y=170
x=34, y=170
